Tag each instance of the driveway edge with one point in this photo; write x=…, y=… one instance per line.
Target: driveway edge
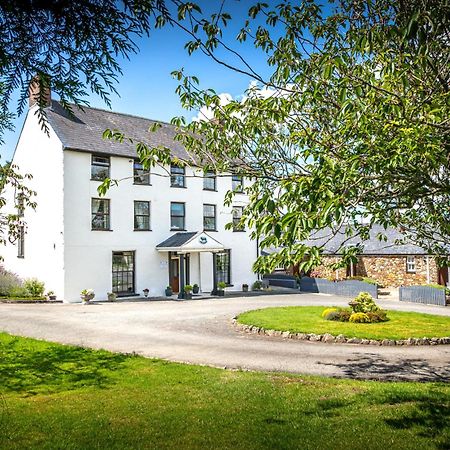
x=340, y=339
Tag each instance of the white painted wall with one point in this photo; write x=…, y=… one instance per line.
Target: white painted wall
x=88, y=254
x=42, y=156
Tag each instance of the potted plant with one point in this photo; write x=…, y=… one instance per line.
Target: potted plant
x=221, y=291
x=195, y=288
x=245, y=287
x=112, y=296
x=51, y=295
x=145, y=291
x=257, y=285
x=169, y=291
x=188, y=292
x=87, y=295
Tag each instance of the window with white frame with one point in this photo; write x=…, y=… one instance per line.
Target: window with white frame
x=100, y=214
x=140, y=175
x=237, y=183
x=237, y=216
x=141, y=215
x=177, y=176
x=209, y=181
x=177, y=216
x=209, y=217
x=100, y=167
x=410, y=264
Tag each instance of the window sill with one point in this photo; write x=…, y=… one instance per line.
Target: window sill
x=137, y=229
x=142, y=184
x=215, y=230
x=99, y=229
x=178, y=229
x=179, y=187
x=239, y=231
x=210, y=190
x=100, y=181
x=21, y=257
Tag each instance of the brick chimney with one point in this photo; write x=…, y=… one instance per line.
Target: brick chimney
x=34, y=89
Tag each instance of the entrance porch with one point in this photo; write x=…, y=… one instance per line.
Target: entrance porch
x=192, y=257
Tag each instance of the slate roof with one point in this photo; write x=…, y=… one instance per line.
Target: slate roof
x=84, y=131
x=178, y=239
x=372, y=246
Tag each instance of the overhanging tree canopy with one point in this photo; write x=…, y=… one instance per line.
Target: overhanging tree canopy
x=351, y=128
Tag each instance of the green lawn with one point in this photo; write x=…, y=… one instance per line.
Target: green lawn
x=63, y=397
x=307, y=319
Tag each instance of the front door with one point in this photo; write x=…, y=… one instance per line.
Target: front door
x=175, y=274
x=123, y=273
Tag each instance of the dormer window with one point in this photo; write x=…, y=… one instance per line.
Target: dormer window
x=100, y=167
x=140, y=175
x=177, y=176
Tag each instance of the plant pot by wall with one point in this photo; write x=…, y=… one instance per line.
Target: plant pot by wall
x=245, y=288
x=195, y=290
x=188, y=295
x=169, y=292
x=221, y=293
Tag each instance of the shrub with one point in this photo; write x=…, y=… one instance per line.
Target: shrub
x=363, y=303
x=34, y=287
x=8, y=281
x=332, y=315
x=221, y=285
x=326, y=311
x=19, y=292
x=378, y=316
x=337, y=314
x=344, y=315
x=359, y=317
x=257, y=285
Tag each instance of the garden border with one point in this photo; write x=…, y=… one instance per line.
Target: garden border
x=27, y=302
x=339, y=339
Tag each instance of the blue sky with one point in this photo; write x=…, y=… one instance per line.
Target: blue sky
x=146, y=87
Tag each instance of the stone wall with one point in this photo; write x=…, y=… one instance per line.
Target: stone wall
x=325, y=270
x=388, y=271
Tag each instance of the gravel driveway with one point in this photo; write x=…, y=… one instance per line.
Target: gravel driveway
x=200, y=332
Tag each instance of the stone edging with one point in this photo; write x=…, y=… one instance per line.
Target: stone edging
x=340, y=339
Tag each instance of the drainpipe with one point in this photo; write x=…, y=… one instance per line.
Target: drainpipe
x=428, y=269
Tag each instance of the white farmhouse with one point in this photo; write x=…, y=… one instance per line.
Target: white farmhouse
x=151, y=231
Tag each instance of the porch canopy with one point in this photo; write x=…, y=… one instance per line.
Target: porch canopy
x=190, y=242
x=184, y=243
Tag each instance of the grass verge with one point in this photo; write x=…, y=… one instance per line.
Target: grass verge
x=307, y=319
x=55, y=396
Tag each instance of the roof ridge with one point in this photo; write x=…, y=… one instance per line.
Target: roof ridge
x=115, y=112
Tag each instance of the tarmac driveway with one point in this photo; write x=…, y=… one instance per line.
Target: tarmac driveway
x=200, y=332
